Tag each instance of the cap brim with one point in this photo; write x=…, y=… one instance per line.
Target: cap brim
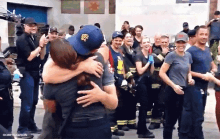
x=78, y=46
x=180, y=40
x=54, y=31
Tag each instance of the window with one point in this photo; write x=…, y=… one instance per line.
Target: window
x=11, y=34
x=70, y=6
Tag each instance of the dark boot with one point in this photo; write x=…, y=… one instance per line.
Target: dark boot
x=118, y=133
x=146, y=135
x=154, y=126
x=35, y=130
x=133, y=126
x=115, y=137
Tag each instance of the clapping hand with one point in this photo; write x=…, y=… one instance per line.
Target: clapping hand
x=165, y=50
x=43, y=41
x=151, y=59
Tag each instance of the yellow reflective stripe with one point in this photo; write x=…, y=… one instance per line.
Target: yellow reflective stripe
x=149, y=113
x=155, y=85
x=155, y=120
x=113, y=128
x=132, y=121
x=128, y=75
x=122, y=122
x=133, y=70
x=157, y=69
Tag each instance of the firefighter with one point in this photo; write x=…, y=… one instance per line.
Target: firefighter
x=160, y=49
x=130, y=76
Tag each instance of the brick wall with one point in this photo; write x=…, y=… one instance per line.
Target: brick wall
x=213, y=8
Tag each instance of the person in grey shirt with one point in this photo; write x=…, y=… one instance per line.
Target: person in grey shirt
x=89, y=118
x=175, y=72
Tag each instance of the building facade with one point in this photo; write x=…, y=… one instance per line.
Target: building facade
x=164, y=16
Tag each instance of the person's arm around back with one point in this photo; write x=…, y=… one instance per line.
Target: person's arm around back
x=55, y=74
x=107, y=96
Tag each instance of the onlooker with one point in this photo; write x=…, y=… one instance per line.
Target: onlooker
x=214, y=37
x=145, y=68
x=185, y=27
x=178, y=64
x=61, y=34
x=202, y=64
x=98, y=25
x=71, y=32
x=138, y=36
x=129, y=110
x=125, y=27
x=81, y=27
x=6, y=96
x=52, y=35
x=157, y=83
x=30, y=53
x=192, y=39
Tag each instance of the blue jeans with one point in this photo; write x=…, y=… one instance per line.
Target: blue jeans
x=29, y=97
x=192, y=115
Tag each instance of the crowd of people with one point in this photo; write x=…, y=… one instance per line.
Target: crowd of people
x=93, y=89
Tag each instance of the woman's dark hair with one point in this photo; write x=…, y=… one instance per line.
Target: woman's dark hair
x=139, y=26
x=132, y=31
x=66, y=57
x=126, y=22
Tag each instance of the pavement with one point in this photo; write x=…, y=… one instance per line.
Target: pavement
x=209, y=126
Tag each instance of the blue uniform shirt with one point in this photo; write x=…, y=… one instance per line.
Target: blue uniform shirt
x=201, y=62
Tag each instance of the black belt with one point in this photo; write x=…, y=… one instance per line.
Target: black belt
x=89, y=122
x=74, y=120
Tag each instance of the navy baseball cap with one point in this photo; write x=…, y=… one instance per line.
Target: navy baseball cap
x=30, y=20
x=87, y=39
x=191, y=33
x=185, y=25
x=117, y=34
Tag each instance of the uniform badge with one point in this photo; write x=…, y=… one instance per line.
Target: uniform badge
x=84, y=37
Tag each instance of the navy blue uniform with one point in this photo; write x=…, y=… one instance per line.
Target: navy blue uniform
x=6, y=105
x=131, y=75
x=122, y=112
x=195, y=100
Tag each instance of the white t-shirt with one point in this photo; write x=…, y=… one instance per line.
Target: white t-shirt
x=68, y=36
x=105, y=42
x=187, y=46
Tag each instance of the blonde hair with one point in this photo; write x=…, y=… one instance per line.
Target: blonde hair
x=145, y=37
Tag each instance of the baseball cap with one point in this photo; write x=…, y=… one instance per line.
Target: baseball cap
x=87, y=39
x=53, y=29
x=30, y=20
x=217, y=13
x=185, y=24
x=192, y=33
x=181, y=37
x=117, y=34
